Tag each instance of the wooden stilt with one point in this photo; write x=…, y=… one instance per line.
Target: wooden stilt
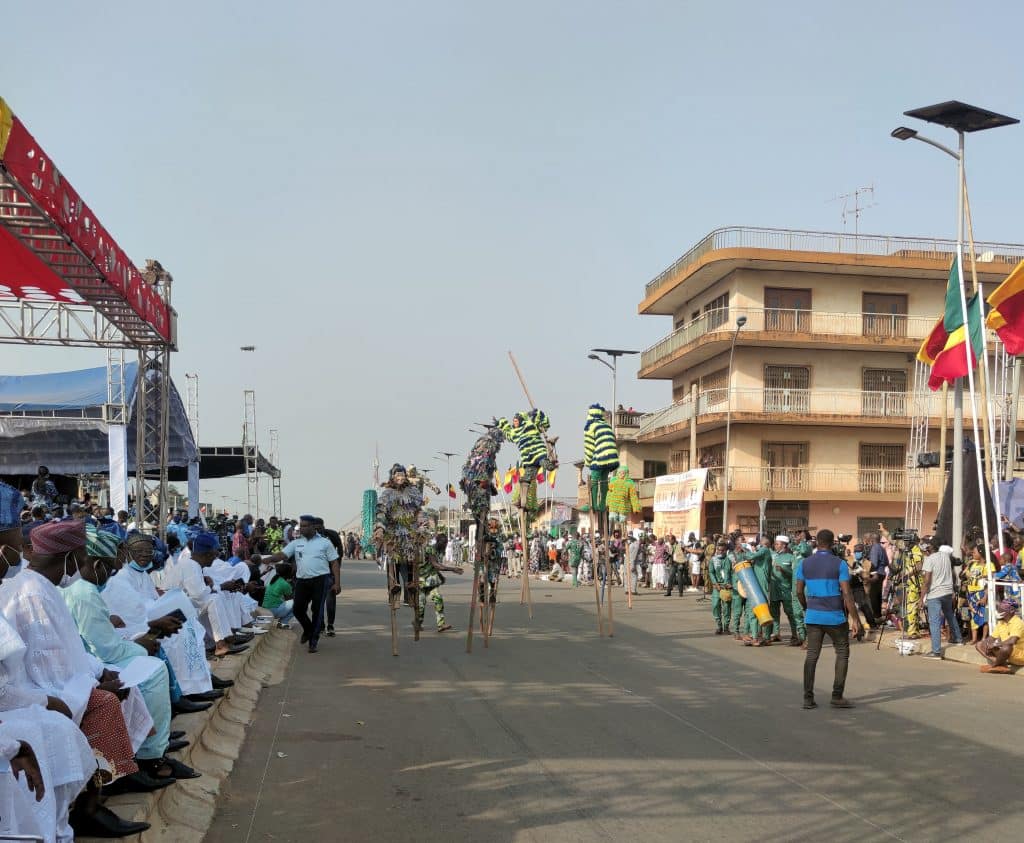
x=608, y=573
x=393, y=605
x=472, y=608
x=526, y=556
x=594, y=557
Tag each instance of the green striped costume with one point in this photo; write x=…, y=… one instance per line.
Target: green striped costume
x=600, y=454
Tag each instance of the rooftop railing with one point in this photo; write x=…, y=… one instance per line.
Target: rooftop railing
x=740, y=237
x=797, y=323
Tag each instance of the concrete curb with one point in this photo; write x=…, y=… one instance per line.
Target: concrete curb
x=962, y=653
x=184, y=811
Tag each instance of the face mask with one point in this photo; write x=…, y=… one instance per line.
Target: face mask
x=69, y=579
x=858, y=555
x=135, y=566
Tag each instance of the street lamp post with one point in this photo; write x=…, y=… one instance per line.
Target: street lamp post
x=740, y=322
x=614, y=354
x=962, y=118
x=448, y=509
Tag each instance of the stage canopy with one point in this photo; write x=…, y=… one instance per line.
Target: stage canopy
x=57, y=420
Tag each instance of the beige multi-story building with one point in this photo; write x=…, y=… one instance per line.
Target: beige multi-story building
x=820, y=395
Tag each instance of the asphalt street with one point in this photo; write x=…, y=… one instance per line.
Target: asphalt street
x=664, y=732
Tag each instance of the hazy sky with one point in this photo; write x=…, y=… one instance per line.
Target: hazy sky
x=386, y=197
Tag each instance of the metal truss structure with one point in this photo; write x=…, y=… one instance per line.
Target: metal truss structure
x=275, y=478
x=251, y=451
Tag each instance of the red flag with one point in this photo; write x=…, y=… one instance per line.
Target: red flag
x=451, y=491
x=1007, y=315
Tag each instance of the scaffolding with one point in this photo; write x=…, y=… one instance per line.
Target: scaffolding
x=66, y=282
x=275, y=478
x=916, y=474
x=250, y=450
x=192, y=403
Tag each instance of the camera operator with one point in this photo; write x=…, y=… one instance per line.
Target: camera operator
x=879, y=559
x=938, y=595
x=860, y=568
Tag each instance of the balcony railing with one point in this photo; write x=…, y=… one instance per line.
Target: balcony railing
x=795, y=323
x=817, y=480
x=799, y=402
x=738, y=237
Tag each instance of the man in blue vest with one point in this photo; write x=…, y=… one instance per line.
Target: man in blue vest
x=823, y=589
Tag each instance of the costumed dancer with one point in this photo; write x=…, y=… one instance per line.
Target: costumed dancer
x=478, y=485
x=527, y=431
x=487, y=593
x=399, y=532
x=422, y=480
x=601, y=456
x=431, y=579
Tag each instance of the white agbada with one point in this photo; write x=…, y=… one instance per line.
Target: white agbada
x=187, y=575
x=131, y=595
x=66, y=760
x=17, y=805
x=241, y=605
x=57, y=663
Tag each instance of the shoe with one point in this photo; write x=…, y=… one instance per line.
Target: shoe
x=446, y=628
x=283, y=625
x=177, y=734
x=841, y=702
x=238, y=639
x=104, y=823
x=235, y=649
x=205, y=696
x=219, y=683
x=330, y=632
x=179, y=770
x=304, y=638
x=718, y=632
x=140, y=782
x=184, y=706
x=810, y=703
x=176, y=746
x=313, y=647
x=260, y=630
x=933, y=657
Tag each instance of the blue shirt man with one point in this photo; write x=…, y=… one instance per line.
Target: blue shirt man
x=823, y=589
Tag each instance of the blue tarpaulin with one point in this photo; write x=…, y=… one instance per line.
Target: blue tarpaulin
x=56, y=419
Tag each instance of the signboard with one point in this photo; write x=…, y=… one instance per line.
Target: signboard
x=678, y=499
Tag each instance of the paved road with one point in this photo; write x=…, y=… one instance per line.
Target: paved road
x=665, y=732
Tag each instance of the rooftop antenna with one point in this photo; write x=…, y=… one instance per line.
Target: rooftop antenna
x=857, y=208
x=376, y=463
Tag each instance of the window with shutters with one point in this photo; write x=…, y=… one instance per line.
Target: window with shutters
x=655, y=468
x=785, y=465
x=884, y=315
x=715, y=386
x=884, y=392
x=882, y=468
x=679, y=461
x=787, y=389
x=787, y=310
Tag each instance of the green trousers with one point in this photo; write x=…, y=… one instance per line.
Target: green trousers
x=798, y=618
x=777, y=607
x=721, y=610
x=739, y=613
x=421, y=606
x=599, y=488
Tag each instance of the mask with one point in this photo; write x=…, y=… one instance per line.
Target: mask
x=858, y=555
x=135, y=566
x=69, y=579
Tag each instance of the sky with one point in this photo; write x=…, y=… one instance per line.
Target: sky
x=385, y=198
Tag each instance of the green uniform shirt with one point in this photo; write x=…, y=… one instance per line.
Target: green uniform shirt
x=720, y=570
x=783, y=565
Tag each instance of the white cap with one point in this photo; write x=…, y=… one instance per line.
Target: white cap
x=782, y=539
x=945, y=548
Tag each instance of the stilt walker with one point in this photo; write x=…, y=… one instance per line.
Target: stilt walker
x=401, y=532
x=478, y=485
x=601, y=456
x=528, y=432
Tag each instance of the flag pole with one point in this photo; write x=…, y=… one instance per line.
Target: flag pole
x=986, y=396
x=968, y=351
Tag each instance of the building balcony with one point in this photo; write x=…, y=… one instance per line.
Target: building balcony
x=853, y=407
x=806, y=483
x=726, y=249
x=711, y=334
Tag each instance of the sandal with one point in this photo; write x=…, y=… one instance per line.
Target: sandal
x=447, y=627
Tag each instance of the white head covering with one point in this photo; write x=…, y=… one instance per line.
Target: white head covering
x=782, y=539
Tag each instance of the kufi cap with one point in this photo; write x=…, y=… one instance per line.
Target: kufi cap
x=781, y=538
x=396, y=468
x=100, y=543
x=205, y=542
x=55, y=537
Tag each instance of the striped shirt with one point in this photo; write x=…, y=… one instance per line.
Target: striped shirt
x=822, y=572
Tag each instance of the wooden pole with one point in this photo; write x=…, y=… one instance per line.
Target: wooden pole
x=525, y=594
x=608, y=573
x=393, y=604
x=942, y=446
x=472, y=607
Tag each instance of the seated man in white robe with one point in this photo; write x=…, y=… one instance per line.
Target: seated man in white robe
x=22, y=789
x=230, y=576
x=188, y=575
x=92, y=618
x=132, y=596
x=45, y=670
